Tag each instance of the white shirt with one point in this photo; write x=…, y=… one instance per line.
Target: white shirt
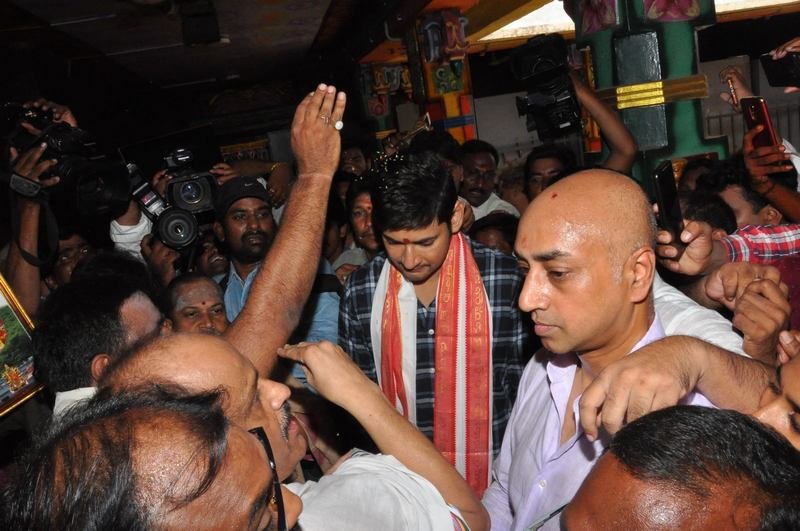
x=680, y=315
x=67, y=399
x=494, y=204
x=794, y=159
x=368, y=492
x=129, y=237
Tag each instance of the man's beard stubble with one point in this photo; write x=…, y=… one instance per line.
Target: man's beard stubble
x=251, y=254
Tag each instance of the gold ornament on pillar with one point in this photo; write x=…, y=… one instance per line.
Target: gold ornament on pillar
x=405, y=81
x=380, y=85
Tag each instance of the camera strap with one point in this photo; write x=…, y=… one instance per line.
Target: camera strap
x=48, y=227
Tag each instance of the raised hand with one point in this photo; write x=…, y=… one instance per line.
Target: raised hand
x=315, y=139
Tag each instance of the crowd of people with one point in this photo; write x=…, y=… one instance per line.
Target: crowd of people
x=418, y=341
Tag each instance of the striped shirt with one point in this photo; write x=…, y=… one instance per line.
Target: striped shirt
x=763, y=244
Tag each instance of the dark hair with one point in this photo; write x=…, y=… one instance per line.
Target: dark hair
x=169, y=298
x=727, y=174
x=710, y=208
x=471, y=147
x=360, y=185
x=503, y=222
x=550, y=151
x=82, y=473
x=691, y=448
x=698, y=163
x=121, y=265
x=76, y=322
x=440, y=142
x=354, y=136
x=411, y=192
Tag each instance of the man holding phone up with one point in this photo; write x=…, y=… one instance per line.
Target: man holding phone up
x=768, y=165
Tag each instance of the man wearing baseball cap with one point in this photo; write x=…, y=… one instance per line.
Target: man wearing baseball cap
x=245, y=225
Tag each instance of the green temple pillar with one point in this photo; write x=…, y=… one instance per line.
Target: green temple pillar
x=638, y=41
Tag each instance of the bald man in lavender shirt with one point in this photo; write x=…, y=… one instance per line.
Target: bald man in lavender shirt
x=588, y=241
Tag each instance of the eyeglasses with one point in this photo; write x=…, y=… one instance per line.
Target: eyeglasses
x=277, y=496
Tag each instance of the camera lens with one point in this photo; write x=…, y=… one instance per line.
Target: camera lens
x=176, y=228
x=191, y=192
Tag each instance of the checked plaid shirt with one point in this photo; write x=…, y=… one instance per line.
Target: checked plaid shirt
x=502, y=280
x=762, y=244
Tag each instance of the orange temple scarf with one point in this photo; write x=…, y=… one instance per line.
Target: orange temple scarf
x=462, y=418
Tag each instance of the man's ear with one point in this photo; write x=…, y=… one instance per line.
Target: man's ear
x=640, y=268
x=769, y=215
x=343, y=231
x=167, y=326
x=219, y=232
x=457, y=219
x=98, y=365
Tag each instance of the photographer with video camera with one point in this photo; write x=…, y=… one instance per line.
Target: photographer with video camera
x=172, y=212
x=42, y=253
x=556, y=93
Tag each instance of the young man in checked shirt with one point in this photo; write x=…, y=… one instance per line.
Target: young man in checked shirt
x=434, y=320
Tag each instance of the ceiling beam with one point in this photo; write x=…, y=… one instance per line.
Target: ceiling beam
x=491, y=15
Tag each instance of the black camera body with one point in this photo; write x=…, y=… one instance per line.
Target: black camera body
x=90, y=184
x=551, y=105
x=12, y=114
x=188, y=207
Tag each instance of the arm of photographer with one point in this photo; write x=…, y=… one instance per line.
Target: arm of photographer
x=24, y=277
x=620, y=141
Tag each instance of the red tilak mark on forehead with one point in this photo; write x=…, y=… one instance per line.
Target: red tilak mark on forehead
x=406, y=241
x=554, y=195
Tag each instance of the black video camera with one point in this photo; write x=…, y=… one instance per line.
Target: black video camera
x=551, y=105
x=189, y=206
x=90, y=186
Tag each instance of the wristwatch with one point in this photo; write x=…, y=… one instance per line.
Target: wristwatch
x=24, y=186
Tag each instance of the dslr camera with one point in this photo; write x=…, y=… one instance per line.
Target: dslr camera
x=550, y=106
x=188, y=207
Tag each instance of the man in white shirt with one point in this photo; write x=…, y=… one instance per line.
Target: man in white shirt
x=480, y=161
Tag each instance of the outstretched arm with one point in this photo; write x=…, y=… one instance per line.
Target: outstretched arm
x=661, y=373
x=620, y=141
x=339, y=380
x=284, y=281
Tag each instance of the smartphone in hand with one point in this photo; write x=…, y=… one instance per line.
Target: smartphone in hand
x=756, y=113
x=783, y=72
x=669, y=216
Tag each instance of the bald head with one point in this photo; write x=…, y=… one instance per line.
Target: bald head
x=196, y=362
x=599, y=204
x=588, y=242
